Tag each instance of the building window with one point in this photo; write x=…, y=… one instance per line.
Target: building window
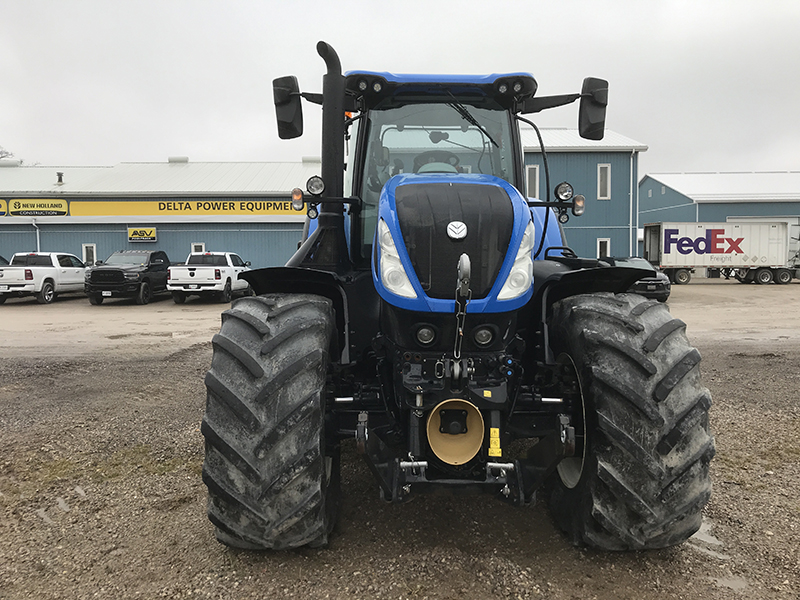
x=603, y=247
x=532, y=175
x=604, y=182
x=89, y=253
x=198, y=247
x=650, y=193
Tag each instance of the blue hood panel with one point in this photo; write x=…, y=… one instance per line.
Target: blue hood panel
x=437, y=186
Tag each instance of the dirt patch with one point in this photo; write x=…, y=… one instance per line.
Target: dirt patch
x=101, y=495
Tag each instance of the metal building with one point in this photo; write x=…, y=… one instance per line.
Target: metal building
x=176, y=206
x=605, y=171
x=718, y=197
x=180, y=206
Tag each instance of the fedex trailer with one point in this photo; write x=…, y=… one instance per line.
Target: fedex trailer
x=760, y=252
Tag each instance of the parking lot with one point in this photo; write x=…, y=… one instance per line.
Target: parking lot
x=101, y=494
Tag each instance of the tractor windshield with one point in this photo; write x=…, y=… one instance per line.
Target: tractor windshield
x=431, y=138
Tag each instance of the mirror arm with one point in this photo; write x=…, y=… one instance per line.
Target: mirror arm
x=313, y=98
x=534, y=105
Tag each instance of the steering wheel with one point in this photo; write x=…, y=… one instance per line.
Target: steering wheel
x=447, y=161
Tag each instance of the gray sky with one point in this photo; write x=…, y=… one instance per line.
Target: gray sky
x=706, y=84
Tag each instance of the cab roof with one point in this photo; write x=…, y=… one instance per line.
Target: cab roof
x=374, y=89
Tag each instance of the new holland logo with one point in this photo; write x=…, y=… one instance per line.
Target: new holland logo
x=456, y=230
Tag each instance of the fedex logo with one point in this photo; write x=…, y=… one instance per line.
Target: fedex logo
x=711, y=243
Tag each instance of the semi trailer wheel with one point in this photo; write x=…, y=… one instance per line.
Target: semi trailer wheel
x=783, y=276
x=682, y=276
x=272, y=480
x=764, y=275
x=643, y=477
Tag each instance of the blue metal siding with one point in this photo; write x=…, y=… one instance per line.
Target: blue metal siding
x=263, y=244
x=719, y=212
x=610, y=219
x=658, y=202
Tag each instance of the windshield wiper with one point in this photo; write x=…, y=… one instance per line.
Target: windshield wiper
x=467, y=116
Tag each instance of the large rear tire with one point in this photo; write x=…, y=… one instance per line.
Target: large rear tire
x=643, y=478
x=273, y=482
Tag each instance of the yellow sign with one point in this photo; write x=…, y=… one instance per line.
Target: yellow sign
x=2, y=208
x=494, y=442
x=38, y=208
x=81, y=208
x=141, y=234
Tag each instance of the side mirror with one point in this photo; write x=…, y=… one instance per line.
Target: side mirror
x=592, y=112
x=247, y=263
x=286, y=93
x=97, y=263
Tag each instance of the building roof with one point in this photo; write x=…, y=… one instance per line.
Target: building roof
x=181, y=177
x=753, y=186
x=563, y=139
x=172, y=178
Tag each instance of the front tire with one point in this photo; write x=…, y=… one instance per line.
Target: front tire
x=644, y=477
x=144, y=295
x=178, y=297
x=95, y=299
x=273, y=481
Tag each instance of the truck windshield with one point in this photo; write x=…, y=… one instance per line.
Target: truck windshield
x=127, y=259
x=431, y=138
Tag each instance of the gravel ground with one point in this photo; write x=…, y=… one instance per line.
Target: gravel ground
x=101, y=495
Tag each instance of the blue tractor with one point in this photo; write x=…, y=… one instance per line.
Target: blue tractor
x=434, y=314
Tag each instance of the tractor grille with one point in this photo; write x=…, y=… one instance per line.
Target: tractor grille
x=107, y=276
x=425, y=210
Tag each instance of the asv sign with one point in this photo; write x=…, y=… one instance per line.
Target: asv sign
x=712, y=242
x=141, y=234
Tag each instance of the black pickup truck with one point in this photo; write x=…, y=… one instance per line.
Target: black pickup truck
x=128, y=274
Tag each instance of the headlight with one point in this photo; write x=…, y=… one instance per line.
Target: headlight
x=564, y=192
x=393, y=276
x=131, y=275
x=315, y=185
x=521, y=276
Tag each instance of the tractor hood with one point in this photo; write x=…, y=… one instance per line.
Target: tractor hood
x=427, y=222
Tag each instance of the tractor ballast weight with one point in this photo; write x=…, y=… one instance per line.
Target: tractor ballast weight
x=435, y=314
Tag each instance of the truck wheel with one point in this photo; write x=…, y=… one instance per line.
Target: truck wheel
x=642, y=478
x=47, y=294
x=225, y=294
x=764, y=276
x=143, y=296
x=273, y=481
x=95, y=299
x=178, y=297
x=682, y=276
x=783, y=276
x=2, y=298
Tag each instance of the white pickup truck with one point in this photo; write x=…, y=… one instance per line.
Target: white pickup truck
x=208, y=274
x=41, y=274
